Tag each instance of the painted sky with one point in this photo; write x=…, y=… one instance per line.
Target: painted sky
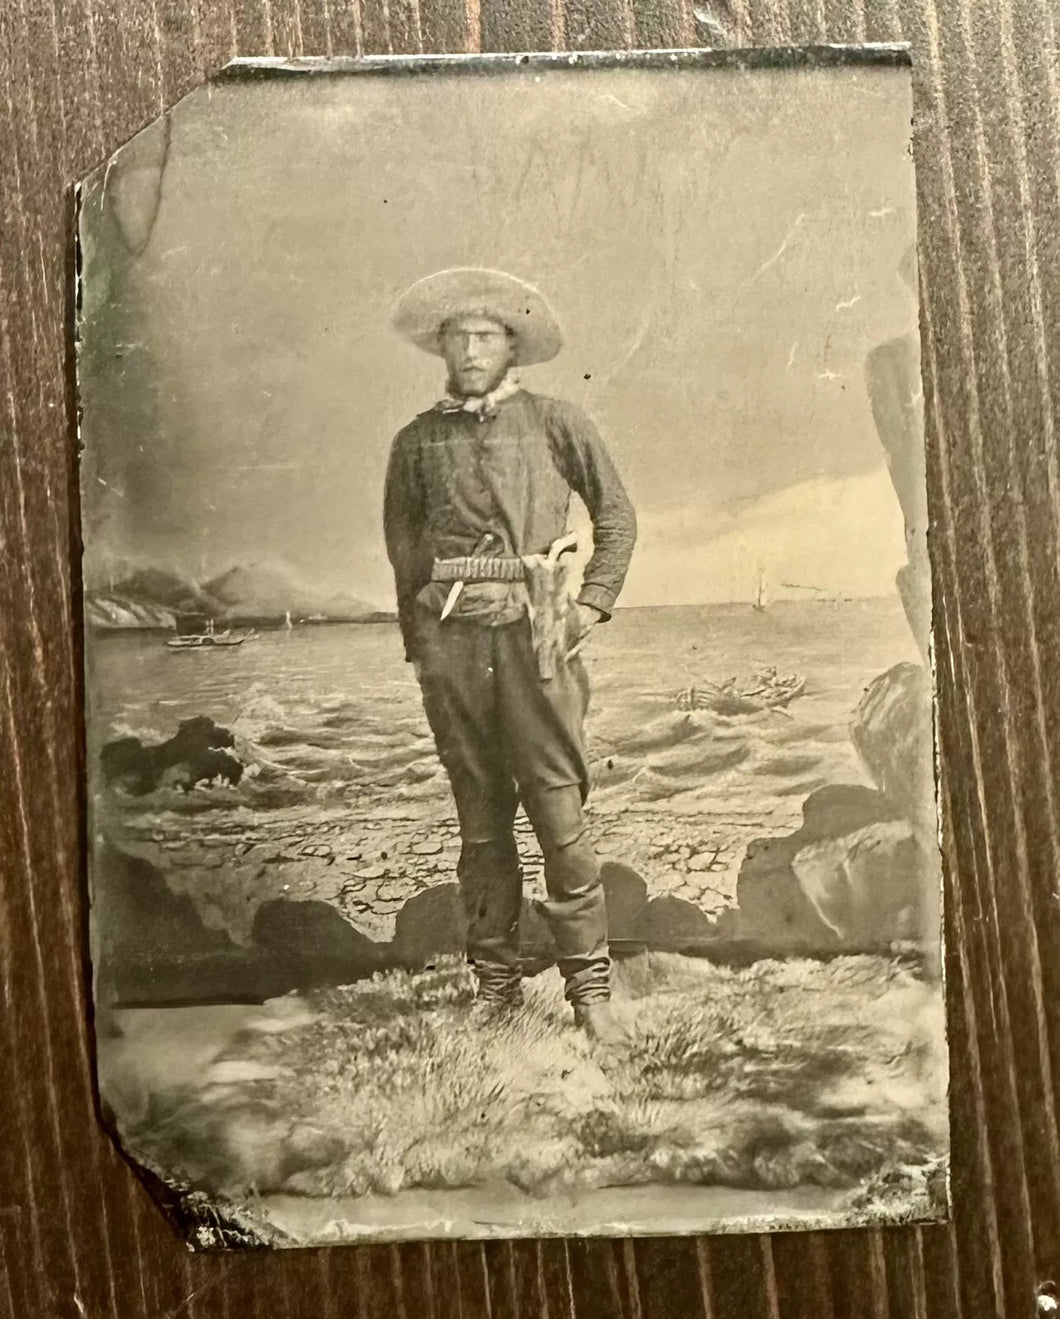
x=722, y=249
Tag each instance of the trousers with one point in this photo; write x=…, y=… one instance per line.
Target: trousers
x=504, y=735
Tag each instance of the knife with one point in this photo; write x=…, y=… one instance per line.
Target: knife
x=450, y=601
x=485, y=540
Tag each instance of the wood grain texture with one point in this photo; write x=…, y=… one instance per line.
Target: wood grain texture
x=78, y=1234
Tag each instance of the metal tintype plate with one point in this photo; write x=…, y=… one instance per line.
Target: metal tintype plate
x=508, y=648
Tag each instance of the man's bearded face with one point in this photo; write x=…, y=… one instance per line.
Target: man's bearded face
x=478, y=352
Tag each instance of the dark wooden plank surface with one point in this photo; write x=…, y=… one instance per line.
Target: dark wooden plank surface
x=78, y=1235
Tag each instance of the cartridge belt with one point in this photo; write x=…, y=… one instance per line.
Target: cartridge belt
x=478, y=568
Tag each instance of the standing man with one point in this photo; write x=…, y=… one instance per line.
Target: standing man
x=475, y=486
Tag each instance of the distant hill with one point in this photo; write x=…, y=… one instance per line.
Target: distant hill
x=131, y=596
x=158, y=597
x=104, y=612
x=258, y=591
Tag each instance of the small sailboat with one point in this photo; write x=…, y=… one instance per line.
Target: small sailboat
x=761, y=597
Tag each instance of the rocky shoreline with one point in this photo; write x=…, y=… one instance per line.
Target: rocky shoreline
x=370, y=867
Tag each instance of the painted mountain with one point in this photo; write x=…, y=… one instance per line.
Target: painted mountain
x=160, y=597
x=261, y=593
x=130, y=596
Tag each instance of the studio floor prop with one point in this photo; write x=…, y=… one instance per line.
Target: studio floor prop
x=778, y=1076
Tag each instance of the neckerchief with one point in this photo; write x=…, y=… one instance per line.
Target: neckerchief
x=483, y=406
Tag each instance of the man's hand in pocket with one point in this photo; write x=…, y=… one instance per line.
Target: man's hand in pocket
x=585, y=618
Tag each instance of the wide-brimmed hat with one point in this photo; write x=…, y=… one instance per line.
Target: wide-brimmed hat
x=424, y=308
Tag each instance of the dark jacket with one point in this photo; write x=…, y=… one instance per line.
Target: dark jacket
x=453, y=476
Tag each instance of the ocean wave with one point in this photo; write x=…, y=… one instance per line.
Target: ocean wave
x=305, y=737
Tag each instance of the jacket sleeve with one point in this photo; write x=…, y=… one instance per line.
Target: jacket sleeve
x=403, y=522
x=583, y=459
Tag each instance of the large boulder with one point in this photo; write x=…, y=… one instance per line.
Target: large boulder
x=198, y=752
x=864, y=887
x=777, y=910
x=893, y=734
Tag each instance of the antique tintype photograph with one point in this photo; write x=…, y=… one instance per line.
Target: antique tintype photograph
x=509, y=701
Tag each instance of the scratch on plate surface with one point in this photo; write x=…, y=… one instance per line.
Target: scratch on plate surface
x=781, y=249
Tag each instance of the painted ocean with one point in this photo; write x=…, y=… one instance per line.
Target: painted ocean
x=343, y=798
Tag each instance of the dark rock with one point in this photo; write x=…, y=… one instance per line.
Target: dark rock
x=194, y=754
x=840, y=808
x=136, y=912
x=152, y=945
x=311, y=944
x=674, y=925
x=626, y=895
x=429, y=924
